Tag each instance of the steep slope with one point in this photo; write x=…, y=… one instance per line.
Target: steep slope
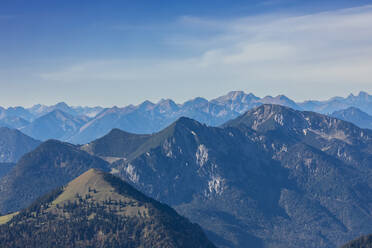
x=354, y=115
x=39, y=110
x=274, y=177
x=303, y=125
x=14, y=144
x=5, y=168
x=328, y=159
x=50, y=165
x=203, y=173
x=55, y=125
x=362, y=242
x=100, y=210
x=13, y=122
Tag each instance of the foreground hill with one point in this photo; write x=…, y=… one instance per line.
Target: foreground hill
x=100, y=210
x=14, y=144
x=274, y=177
x=50, y=165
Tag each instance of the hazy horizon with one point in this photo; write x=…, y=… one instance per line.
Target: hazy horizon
x=177, y=102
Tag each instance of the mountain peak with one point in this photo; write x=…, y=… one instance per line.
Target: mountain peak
x=273, y=108
x=181, y=124
x=363, y=94
x=235, y=94
x=237, y=101
x=188, y=122
x=116, y=144
x=82, y=185
x=168, y=104
x=89, y=175
x=269, y=117
x=146, y=105
x=52, y=142
x=104, y=186
x=282, y=97
x=198, y=100
x=61, y=105
x=280, y=100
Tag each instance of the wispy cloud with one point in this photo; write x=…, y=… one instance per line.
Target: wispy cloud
x=329, y=50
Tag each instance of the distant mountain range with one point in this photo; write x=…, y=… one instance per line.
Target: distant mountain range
x=99, y=210
x=354, y=115
x=55, y=125
x=81, y=125
x=272, y=177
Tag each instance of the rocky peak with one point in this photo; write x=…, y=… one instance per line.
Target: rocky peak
x=146, y=105
x=166, y=105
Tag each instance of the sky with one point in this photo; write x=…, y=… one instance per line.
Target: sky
x=119, y=52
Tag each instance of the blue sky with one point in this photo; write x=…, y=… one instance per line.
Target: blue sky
x=95, y=52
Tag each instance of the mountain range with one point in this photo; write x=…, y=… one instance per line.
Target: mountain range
x=55, y=125
x=354, y=115
x=99, y=210
x=272, y=177
x=80, y=125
